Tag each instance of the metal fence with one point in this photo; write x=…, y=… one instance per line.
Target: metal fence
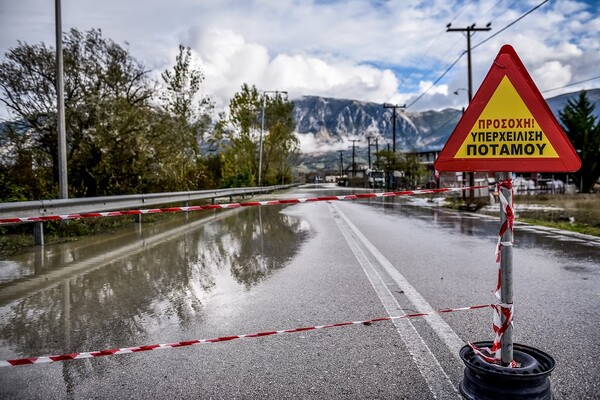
x=40, y=208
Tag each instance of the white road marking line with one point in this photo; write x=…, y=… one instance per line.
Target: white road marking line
x=436, y=378
x=444, y=331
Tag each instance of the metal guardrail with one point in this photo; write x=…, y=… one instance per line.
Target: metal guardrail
x=113, y=203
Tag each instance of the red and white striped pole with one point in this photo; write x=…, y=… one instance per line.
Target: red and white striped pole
x=507, y=217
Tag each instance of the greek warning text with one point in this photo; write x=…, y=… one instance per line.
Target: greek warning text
x=506, y=137
x=514, y=149
x=507, y=123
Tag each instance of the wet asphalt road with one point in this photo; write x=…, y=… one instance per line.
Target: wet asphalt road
x=281, y=267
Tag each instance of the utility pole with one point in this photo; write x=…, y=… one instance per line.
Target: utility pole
x=62, y=137
x=390, y=180
x=341, y=162
x=469, y=31
x=353, y=163
x=369, y=149
x=262, y=129
x=394, y=107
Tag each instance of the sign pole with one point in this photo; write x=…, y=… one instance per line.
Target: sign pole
x=507, y=127
x=506, y=273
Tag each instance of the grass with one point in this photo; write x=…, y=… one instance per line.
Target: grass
x=575, y=212
x=567, y=226
x=15, y=238
x=571, y=212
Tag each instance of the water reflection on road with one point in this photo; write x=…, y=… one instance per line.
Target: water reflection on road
x=561, y=244
x=119, y=290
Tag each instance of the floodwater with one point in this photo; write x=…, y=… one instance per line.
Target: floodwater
x=125, y=288
x=148, y=277
x=198, y=276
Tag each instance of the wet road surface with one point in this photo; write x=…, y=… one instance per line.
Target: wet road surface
x=280, y=267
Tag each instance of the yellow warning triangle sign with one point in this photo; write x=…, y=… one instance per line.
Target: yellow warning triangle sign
x=508, y=127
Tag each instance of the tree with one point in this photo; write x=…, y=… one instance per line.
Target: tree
x=389, y=162
x=240, y=157
x=414, y=171
x=281, y=146
x=583, y=129
x=126, y=133
x=18, y=178
x=187, y=118
x=242, y=151
x=106, y=94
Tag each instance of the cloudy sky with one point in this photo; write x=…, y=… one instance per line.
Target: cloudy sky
x=371, y=50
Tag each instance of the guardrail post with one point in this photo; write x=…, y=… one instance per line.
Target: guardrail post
x=187, y=214
x=137, y=218
x=38, y=233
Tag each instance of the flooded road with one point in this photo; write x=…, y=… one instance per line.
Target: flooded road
x=139, y=282
x=259, y=268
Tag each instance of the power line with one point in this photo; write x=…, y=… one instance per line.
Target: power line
x=506, y=9
x=490, y=9
x=461, y=10
x=509, y=25
x=454, y=117
x=418, y=63
x=571, y=84
x=438, y=79
x=473, y=48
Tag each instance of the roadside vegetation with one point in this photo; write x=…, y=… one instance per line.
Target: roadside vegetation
x=128, y=132
x=15, y=238
x=577, y=212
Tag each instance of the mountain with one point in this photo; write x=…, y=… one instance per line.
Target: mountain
x=559, y=102
x=327, y=125
x=333, y=120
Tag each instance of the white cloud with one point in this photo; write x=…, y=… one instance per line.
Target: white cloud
x=552, y=74
x=437, y=89
x=228, y=61
x=365, y=50
x=311, y=144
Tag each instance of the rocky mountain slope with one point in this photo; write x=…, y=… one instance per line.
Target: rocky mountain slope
x=329, y=125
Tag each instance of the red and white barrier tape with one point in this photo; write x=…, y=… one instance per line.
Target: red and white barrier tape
x=494, y=354
x=44, y=218
x=509, y=211
x=137, y=349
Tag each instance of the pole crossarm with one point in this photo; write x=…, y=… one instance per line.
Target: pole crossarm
x=469, y=31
